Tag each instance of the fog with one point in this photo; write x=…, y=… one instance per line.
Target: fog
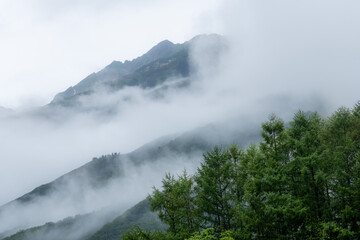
x=303, y=49
x=282, y=56
x=78, y=194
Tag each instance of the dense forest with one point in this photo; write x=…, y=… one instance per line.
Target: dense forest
x=302, y=181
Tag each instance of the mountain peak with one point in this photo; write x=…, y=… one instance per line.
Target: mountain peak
x=114, y=72
x=163, y=43
x=163, y=48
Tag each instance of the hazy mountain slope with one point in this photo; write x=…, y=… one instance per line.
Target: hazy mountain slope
x=148, y=76
x=139, y=215
x=156, y=72
x=163, y=63
x=93, y=174
x=68, y=195
x=117, y=69
x=72, y=228
x=91, y=226
x=101, y=182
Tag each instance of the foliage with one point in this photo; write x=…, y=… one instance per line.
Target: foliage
x=215, y=190
x=209, y=234
x=136, y=233
x=301, y=182
x=175, y=204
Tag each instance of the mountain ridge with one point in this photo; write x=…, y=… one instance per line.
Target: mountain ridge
x=77, y=191
x=163, y=61
x=95, y=176
x=118, y=69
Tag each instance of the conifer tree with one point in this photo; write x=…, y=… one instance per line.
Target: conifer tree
x=176, y=205
x=214, y=188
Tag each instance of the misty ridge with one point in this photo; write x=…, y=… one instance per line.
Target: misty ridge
x=125, y=126
x=118, y=181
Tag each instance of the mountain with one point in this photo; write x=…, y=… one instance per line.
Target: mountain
x=140, y=215
x=121, y=180
x=101, y=182
x=90, y=227
x=80, y=227
x=161, y=64
x=118, y=69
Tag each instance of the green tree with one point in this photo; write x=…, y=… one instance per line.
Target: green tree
x=282, y=211
x=301, y=182
x=136, y=233
x=176, y=204
x=215, y=188
x=252, y=213
x=341, y=139
x=209, y=234
x=308, y=171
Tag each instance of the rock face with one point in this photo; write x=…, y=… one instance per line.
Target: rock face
x=163, y=61
x=116, y=69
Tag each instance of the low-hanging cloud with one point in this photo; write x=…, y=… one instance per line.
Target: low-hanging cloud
x=282, y=56
x=305, y=49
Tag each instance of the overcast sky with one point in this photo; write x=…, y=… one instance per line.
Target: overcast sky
x=304, y=51
x=47, y=46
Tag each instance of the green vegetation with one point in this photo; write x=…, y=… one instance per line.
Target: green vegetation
x=91, y=226
x=61, y=230
x=139, y=215
x=101, y=170
x=209, y=234
x=301, y=182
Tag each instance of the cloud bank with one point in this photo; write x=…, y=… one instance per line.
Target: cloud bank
x=283, y=56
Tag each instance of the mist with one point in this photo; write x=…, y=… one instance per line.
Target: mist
x=304, y=49
x=282, y=56
x=76, y=194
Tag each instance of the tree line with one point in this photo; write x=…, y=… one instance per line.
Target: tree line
x=302, y=181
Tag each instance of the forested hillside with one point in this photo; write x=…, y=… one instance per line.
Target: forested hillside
x=301, y=182
x=83, y=227
x=179, y=120
x=139, y=215
x=103, y=179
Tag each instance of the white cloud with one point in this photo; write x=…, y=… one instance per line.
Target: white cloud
x=285, y=55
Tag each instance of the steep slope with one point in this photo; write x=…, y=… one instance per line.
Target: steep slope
x=117, y=69
x=70, y=194
x=139, y=215
x=93, y=174
x=163, y=63
x=101, y=182
x=80, y=227
x=91, y=226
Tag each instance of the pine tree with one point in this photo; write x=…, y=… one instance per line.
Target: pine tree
x=282, y=211
x=214, y=188
x=341, y=140
x=176, y=204
x=309, y=172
